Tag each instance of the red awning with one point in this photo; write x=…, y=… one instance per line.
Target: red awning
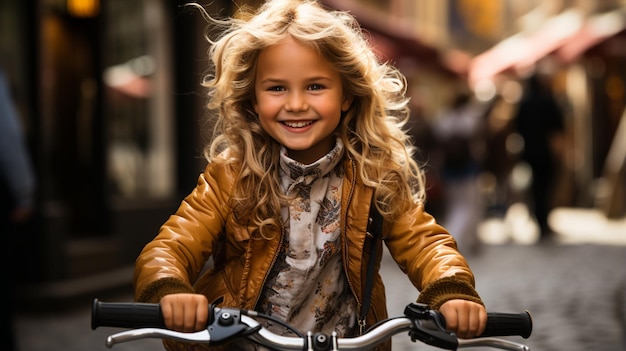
x=392, y=40
x=523, y=50
x=597, y=29
x=567, y=36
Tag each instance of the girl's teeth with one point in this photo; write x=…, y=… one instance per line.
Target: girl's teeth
x=297, y=124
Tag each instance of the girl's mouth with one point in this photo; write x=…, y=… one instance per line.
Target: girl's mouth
x=297, y=124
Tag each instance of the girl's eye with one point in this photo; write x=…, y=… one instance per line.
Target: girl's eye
x=276, y=88
x=316, y=87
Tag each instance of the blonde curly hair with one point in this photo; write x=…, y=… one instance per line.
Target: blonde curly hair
x=372, y=129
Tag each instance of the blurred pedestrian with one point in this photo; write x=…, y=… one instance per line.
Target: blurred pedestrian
x=17, y=189
x=460, y=135
x=539, y=121
x=500, y=155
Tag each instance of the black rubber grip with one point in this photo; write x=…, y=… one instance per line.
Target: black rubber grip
x=505, y=324
x=126, y=315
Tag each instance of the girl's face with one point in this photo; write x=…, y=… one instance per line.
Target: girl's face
x=299, y=99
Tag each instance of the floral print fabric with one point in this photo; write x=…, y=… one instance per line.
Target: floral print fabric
x=307, y=286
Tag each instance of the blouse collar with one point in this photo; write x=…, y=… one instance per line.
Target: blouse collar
x=294, y=172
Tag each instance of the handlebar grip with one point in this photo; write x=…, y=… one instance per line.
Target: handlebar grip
x=126, y=315
x=505, y=324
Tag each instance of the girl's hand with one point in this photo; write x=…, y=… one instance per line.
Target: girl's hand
x=185, y=312
x=464, y=318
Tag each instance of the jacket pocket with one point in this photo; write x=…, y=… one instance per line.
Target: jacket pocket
x=213, y=285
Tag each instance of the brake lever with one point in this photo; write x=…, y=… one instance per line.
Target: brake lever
x=225, y=325
x=143, y=333
x=429, y=327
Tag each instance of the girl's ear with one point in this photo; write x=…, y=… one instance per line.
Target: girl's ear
x=255, y=105
x=347, y=102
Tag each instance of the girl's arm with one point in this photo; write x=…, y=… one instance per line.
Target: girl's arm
x=427, y=253
x=172, y=261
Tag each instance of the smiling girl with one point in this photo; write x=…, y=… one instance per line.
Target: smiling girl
x=309, y=135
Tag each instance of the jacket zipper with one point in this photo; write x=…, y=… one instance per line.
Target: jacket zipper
x=267, y=273
x=361, y=319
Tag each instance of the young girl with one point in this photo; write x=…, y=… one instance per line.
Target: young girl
x=309, y=135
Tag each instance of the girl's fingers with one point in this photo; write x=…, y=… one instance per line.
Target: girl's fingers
x=466, y=319
x=185, y=312
x=202, y=315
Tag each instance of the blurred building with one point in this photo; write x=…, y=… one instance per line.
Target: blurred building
x=109, y=95
x=110, y=98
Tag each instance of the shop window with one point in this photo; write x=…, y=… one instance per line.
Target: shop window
x=137, y=100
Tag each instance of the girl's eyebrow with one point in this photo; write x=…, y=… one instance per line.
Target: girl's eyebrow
x=279, y=80
x=316, y=78
x=272, y=80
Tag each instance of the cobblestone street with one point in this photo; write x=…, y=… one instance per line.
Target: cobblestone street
x=576, y=294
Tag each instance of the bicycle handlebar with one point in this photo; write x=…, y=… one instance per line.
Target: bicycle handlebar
x=424, y=324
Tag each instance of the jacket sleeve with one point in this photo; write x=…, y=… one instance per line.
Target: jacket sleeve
x=172, y=261
x=427, y=253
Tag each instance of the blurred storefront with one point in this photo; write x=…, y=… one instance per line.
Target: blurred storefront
x=493, y=45
x=581, y=50
x=109, y=95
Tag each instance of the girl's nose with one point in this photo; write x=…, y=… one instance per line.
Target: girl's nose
x=296, y=102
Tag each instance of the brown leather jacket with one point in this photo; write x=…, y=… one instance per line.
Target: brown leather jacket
x=203, y=227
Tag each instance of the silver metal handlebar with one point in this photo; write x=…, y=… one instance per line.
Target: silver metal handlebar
x=266, y=338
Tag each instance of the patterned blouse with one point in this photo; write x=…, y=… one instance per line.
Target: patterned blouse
x=307, y=286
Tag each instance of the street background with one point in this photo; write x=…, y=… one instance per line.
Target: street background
x=518, y=110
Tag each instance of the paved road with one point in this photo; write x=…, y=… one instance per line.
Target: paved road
x=575, y=293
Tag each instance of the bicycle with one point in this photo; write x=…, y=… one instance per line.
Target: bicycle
x=225, y=324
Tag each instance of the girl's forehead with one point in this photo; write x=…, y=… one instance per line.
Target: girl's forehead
x=292, y=47
x=291, y=59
